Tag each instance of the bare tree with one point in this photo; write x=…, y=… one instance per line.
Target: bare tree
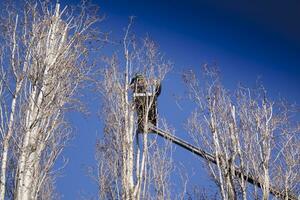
x=161, y=167
x=248, y=132
x=125, y=156
x=43, y=63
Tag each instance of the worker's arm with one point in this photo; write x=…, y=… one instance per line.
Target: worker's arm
x=158, y=89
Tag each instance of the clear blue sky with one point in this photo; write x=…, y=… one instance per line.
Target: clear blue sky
x=246, y=39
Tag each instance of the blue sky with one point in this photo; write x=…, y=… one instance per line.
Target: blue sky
x=245, y=39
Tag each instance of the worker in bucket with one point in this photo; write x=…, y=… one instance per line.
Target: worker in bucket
x=145, y=96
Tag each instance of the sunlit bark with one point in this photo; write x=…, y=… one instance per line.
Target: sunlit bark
x=123, y=154
x=45, y=62
x=246, y=131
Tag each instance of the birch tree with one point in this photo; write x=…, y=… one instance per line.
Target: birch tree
x=124, y=156
x=44, y=61
x=248, y=132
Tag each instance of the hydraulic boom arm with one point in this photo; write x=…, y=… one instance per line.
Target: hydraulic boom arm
x=209, y=157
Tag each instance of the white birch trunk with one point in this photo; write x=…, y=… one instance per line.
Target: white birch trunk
x=29, y=157
x=6, y=142
x=9, y=133
x=47, y=56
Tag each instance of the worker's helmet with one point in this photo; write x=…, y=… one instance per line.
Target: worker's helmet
x=139, y=76
x=139, y=79
x=138, y=83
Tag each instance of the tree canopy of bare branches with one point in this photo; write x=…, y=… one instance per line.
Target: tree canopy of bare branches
x=43, y=62
x=131, y=165
x=248, y=131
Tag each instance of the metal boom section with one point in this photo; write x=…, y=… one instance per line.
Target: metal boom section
x=209, y=157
